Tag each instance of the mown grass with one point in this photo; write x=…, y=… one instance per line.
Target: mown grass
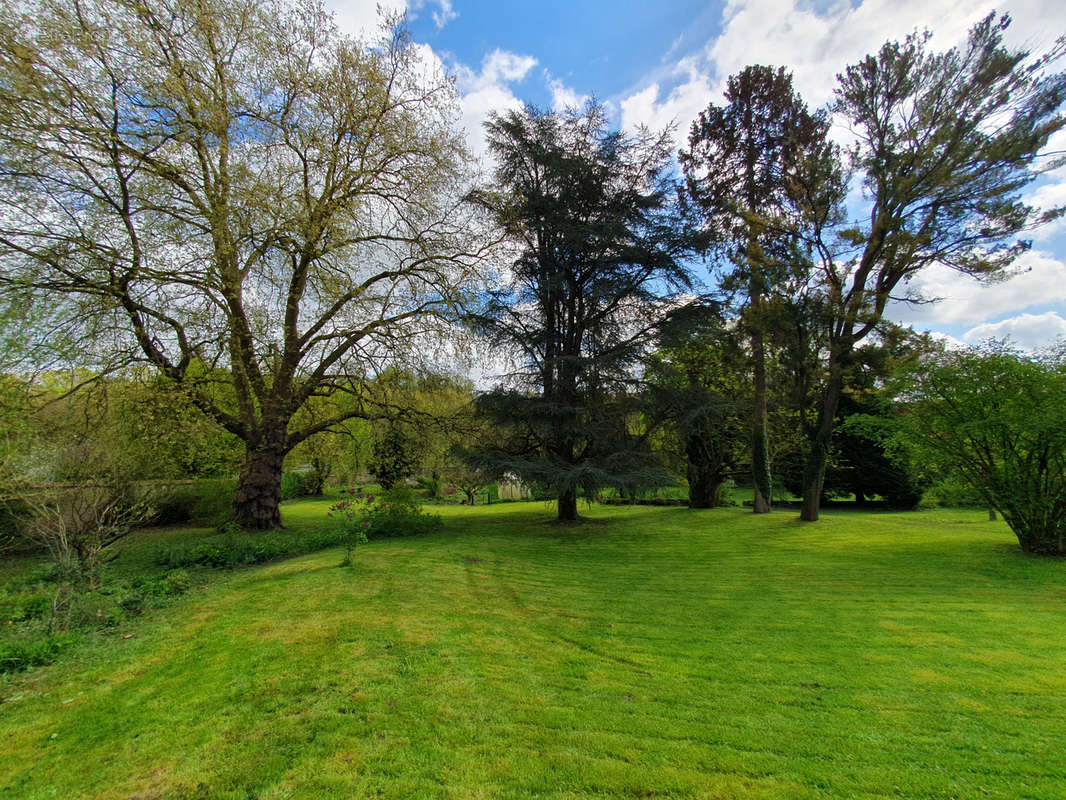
x=650, y=652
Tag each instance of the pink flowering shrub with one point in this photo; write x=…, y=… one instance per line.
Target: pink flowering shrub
x=395, y=513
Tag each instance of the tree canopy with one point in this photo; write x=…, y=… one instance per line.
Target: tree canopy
x=598, y=259
x=764, y=176
x=998, y=418
x=945, y=142
x=230, y=191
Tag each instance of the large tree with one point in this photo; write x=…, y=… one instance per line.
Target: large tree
x=263, y=210
x=598, y=253
x=748, y=169
x=945, y=142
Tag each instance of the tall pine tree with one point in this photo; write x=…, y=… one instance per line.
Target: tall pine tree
x=750, y=169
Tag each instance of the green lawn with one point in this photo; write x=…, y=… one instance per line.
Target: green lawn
x=651, y=652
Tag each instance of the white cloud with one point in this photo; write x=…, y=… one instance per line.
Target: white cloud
x=488, y=89
x=442, y=14
x=816, y=44
x=361, y=18
x=1027, y=331
x=950, y=342
x=1050, y=192
x=679, y=106
x=815, y=41
x=965, y=301
x=563, y=96
x=1048, y=196
x=498, y=67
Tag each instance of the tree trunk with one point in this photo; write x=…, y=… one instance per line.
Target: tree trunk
x=258, y=497
x=814, y=473
x=991, y=514
x=568, y=506
x=704, y=484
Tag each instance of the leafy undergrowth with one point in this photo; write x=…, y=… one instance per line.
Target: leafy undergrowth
x=42, y=615
x=662, y=652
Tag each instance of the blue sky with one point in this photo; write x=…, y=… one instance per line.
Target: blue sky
x=658, y=63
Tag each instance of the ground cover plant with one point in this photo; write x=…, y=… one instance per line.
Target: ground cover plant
x=653, y=652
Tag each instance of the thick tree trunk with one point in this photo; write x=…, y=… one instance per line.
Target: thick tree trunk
x=991, y=514
x=258, y=497
x=704, y=484
x=568, y=506
x=814, y=473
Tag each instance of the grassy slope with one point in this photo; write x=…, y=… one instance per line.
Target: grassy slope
x=652, y=652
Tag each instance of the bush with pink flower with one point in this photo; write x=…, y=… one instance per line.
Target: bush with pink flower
x=397, y=512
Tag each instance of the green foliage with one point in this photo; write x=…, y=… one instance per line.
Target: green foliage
x=44, y=614
x=35, y=652
x=395, y=456
x=206, y=501
x=397, y=512
x=953, y=491
x=21, y=606
x=400, y=514
x=697, y=393
x=468, y=479
x=600, y=241
x=293, y=485
x=155, y=421
x=998, y=418
x=232, y=549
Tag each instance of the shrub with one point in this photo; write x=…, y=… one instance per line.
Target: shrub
x=77, y=523
x=953, y=492
x=397, y=512
x=21, y=655
x=230, y=549
x=292, y=486
x=207, y=501
x=998, y=418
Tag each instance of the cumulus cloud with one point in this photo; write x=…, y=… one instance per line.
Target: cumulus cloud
x=1040, y=281
x=815, y=41
x=361, y=18
x=489, y=89
x=676, y=106
x=950, y=342
x=563, y=96
x=1027, y=331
